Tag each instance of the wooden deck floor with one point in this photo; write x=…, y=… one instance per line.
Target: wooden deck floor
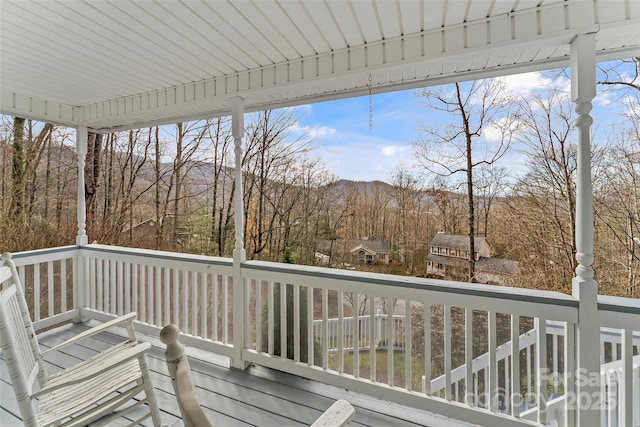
x=255, y=397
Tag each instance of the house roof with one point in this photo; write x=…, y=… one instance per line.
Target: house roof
x=487, y=265
x=351, y=245
x=497, y=265
x=456, y=241
x=371, y=246
x=112, y=65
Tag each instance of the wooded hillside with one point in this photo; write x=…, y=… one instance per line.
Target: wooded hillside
x=172, y=188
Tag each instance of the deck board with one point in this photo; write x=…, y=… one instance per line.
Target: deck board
x=258, y=396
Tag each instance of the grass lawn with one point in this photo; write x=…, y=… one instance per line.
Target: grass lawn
x=382, y=358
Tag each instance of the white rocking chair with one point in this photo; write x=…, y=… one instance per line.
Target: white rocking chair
x=88, y=392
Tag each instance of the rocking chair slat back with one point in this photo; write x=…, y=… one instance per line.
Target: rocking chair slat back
x=16, y=346
x=99, y=388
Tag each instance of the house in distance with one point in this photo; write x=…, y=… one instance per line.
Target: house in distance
x=345, y=252
x=448, y=257
x=371, y=251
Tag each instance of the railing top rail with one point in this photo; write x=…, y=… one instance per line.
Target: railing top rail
x=619, y=304
x=433, y=285
x=163, y=255
x=40, y=252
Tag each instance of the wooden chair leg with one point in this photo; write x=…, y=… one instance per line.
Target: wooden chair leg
x=150, y=394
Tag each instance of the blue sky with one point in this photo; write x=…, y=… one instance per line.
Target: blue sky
x=350, y=150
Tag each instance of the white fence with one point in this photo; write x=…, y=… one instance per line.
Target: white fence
x=346, y=330
x=611, y=374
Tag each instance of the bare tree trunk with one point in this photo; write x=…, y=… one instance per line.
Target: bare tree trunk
x=92, y=176
x=221, y=139
x=158, y=165
x=631, y=258
x=18, y=169
x=60, y=187
x=108, y=192
x=469, y=173
x=177, y=169
x=35, y=148
x=47, y=178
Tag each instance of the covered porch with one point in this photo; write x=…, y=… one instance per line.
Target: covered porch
x=428, y=370
x=256, y=397
x=576, y=363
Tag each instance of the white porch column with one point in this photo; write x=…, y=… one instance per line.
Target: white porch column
x=81, y=152
x=79, y=262
x=585, y=288
x=237, y=129
x=239, y=253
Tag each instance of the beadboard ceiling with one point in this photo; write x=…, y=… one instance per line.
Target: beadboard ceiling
x=120, y=64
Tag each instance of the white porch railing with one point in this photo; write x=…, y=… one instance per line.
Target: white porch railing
x=459, y=336
x=49, y=280
x=611, y=374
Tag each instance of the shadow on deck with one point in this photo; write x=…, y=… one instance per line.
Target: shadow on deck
x=257, y=396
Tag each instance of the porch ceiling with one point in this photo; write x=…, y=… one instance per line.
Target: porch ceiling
x=122, y=64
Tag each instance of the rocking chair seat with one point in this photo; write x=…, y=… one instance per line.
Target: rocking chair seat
x=88, y=384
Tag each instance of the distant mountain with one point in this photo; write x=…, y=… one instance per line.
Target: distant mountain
x=341, y=184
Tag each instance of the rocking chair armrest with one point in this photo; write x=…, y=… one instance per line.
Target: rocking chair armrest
x=120, y=358
x=95, y=330
x=339, y=414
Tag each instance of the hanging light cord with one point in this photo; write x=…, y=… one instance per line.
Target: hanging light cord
x=370, y=105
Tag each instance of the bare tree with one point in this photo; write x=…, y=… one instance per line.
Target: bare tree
x=447, y=205
x=462, y=144
x=187, y=139
x=490, y=183
x=35, y=150
x=57, y=172
x=405, y=191
x=376, y=214
x=623, y=74
x=219, y=133
x=545, y=194
x=617, y=205
x=270, y=151
x=359, y=302
x=332, y=217
x=312, y=181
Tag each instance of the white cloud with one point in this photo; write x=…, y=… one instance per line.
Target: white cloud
x=358, y=156
x=526, y=83
x=316, y=132
x=492, y=133
x=312, y=131
x=606, y=98
x=624, y=102
x=392, y=150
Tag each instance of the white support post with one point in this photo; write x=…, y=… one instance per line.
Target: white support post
x=239, y=253
x=79, y=266
x=81, y=152
x=585, y=288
